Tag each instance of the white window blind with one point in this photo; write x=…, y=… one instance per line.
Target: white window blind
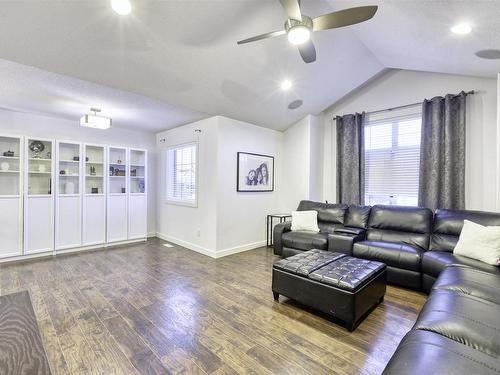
x=182, y=174
x=392, y=157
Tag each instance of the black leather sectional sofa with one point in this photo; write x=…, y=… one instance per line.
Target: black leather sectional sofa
x=458, y=329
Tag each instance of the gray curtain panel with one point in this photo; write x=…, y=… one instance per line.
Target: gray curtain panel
x=442, y=153
x=350, y=159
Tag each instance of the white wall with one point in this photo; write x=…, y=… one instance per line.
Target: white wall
x=224, y=221
x=192, y=227
x=303, y=152
x=20, y=123
x=241, y=216
x=401, y=87
x=498, y=142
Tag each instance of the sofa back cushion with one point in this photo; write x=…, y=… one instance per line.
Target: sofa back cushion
x=357, y=216
x=408, y=225
x=448, y=225
x=330, y=216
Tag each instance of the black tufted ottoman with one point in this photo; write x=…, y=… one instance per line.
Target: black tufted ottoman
x=342, y=286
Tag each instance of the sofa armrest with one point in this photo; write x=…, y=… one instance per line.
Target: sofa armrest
x=278, y=231
x=343, y=242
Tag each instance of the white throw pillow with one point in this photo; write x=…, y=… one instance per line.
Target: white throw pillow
x=305, y=220
x=479, y=242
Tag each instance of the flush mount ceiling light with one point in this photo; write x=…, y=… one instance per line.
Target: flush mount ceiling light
x=122, y=7
x=95, y=121
x=295, y=104
x=286, y=85
x=461, y=29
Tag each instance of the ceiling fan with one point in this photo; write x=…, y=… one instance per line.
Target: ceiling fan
x=299, y=27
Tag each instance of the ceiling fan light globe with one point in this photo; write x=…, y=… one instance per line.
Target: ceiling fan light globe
x=298, y=34
x=122, y=7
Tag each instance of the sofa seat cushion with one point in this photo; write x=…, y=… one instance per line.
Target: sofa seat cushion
x=467, y=319
x=433, y=262
x=470, y=281
x=393, y=254
x=305, y=240
x=422, y=352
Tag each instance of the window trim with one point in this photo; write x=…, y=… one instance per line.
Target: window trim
x=182, y=202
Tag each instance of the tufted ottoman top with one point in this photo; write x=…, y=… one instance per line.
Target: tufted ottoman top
x=347, y=273
x=307, y=262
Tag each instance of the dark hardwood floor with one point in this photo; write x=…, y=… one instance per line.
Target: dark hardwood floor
x=148, y=309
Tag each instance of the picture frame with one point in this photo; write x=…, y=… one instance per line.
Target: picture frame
x=254, y=172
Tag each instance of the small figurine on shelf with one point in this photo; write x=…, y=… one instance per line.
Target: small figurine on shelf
x=123, y=190
x=76, y=158
x=49, y=155
x=119, y=161
x=133, y=172
x=92, y=171
x=141, y=186
x=94, y=190
x=111, y=171
x=9, y=154
x=62, y=172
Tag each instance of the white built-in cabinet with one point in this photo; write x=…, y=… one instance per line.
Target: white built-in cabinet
x=94, y=197
x=117, y=223
x=11, y=204
x=38, y=195
x=137, y=198
x=65, y=195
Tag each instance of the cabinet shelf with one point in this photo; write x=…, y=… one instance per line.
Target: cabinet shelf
x=69, y=161
x=94, y=176
x=9, y=157
x=35, y=172
x=39, y=159
x=9, y=171
x=69, y=175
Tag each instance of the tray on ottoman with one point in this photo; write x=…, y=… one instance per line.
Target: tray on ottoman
x=344, y=287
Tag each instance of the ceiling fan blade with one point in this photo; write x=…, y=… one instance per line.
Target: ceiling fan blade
x=344, y=17
x=262, y=36
x=292, y=9
x=307, y=51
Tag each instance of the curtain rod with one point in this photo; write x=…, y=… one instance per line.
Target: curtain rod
x=402, y=106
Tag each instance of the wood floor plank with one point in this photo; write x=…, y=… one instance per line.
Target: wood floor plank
x=143, y=308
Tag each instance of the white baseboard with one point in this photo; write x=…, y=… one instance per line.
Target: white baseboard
x=239, y=249
x=151, y=234
x=187, y=245
x=209, y=252
x=47, y=253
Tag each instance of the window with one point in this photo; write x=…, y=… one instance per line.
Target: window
x=182, y=174
x=392, y=158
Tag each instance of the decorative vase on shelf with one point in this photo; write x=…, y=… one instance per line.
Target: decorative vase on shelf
x=4, y=166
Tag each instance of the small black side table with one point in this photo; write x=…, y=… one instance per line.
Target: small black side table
x=269, y=226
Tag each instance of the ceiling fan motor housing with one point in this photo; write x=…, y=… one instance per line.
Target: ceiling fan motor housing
x=291, y=23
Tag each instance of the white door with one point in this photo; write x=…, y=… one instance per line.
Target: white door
x=10, y=226
x=69, y=233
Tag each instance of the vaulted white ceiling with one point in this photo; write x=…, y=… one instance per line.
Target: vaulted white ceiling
x=171, y=62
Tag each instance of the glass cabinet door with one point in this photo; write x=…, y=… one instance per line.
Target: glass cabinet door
x=117, y=170
x=10, y=166
x=39, y=172
x=94, y=169
x=137, y=172
x=69, y=168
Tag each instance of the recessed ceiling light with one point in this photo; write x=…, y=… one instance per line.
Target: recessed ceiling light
x=461, y=29
x=295, y=104
x=489, y=54
x=122, y=7
x=286, y=85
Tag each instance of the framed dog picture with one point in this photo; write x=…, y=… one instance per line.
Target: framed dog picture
x=255, y=172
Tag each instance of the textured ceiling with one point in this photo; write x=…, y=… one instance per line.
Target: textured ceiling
x=168, y=56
